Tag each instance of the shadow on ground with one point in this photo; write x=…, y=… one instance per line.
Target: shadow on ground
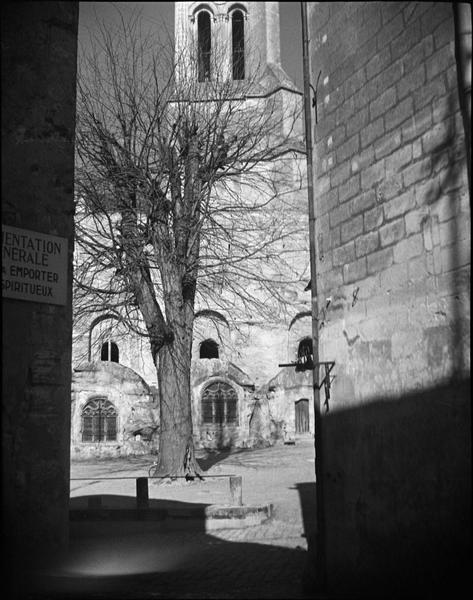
x=114, y=512
x=119, y=566
x=116, y=502
x=119, y=552
x=212, y=457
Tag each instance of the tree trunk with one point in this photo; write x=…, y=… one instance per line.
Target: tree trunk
x=176, y=442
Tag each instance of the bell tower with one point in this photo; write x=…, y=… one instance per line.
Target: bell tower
x=233, y=40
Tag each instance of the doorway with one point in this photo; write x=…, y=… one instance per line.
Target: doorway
x=302, y=416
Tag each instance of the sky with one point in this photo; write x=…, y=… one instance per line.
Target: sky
x=163, y=12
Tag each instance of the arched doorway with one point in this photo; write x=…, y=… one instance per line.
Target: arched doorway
x=302, y=416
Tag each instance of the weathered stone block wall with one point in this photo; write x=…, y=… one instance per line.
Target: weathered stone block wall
x=287, y=388
x=137, y=410
x=211, y=325
x=208, y=371
x=393, y=247
x=39, y=41
x=134, y=351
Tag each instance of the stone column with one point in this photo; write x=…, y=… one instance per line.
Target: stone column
x=39, y=55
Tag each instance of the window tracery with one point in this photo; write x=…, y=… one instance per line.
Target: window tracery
x=99, y=421
x=219, y=404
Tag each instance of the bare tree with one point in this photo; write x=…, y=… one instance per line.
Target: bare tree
x=179, y=205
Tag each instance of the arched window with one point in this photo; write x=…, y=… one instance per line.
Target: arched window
x=208, y=349
x=238, y=45
x=204, y=45
x=305, y=355
x=99, y=421
x=219, y=404
x=305, y=347
x=109, y=352
x=106, y=329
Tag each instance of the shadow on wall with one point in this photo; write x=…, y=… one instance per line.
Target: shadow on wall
x=219, y=438
x=308, y=498
x=397, y=488
x=397, y=470
x=447, y=160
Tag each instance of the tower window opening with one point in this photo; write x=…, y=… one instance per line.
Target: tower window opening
x=204, y=43
x=305, y=347
x=305, y=355
x=208, y=349
x=238, y=45
x=109, y=352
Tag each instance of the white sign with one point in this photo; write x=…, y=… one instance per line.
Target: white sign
x=34, y=266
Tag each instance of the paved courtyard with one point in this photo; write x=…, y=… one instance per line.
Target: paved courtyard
x=283, y=475
x=126, y=560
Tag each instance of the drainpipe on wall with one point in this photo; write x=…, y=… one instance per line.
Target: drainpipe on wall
x=462, y=22
x=320, y=574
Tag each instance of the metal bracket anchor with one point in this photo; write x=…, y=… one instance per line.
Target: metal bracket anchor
x=326, y=381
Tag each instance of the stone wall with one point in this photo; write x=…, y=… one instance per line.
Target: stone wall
x=134, y=351
x=262, y=33
x=136, y=406
x=204, y=373
x=393, y=233
x=39, y=41
x=254, y=340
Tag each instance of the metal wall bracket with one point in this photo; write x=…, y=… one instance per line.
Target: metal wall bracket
x=314, y=99
x=304, y=363
x=326, y=381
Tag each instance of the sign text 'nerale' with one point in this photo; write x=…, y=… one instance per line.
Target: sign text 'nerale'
x=34, y=266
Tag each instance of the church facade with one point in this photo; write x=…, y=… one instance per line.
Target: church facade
x=241, y=396
x=393, y=149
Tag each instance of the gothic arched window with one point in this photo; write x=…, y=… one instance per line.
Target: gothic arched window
x=208, y=349
x=204, y=45
x=219, y=404
x=109, y=352
x=238, y=45
x=99, y=421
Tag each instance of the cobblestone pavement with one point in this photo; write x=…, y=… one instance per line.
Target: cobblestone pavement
x=185, y=565
x=263, y=561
